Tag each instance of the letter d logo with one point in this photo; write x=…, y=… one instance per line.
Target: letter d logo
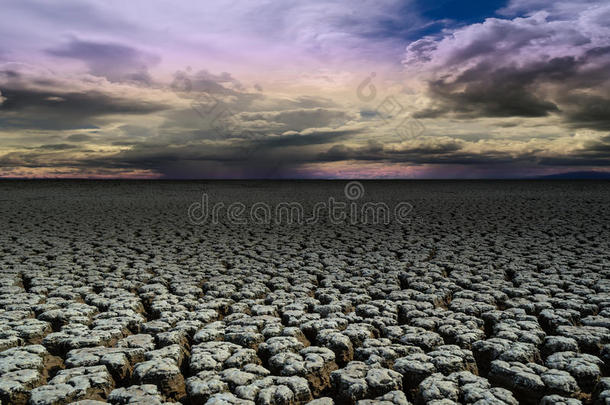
x=198, y=211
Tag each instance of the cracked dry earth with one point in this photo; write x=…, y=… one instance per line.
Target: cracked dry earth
x=492, y=293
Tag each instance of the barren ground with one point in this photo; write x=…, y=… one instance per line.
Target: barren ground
x=490, y=293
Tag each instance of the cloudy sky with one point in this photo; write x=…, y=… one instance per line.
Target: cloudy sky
x=304, y=88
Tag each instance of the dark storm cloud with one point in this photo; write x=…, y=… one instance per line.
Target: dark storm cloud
x=90, y=103
x=223, y=109
x=371, y=152
x=490, y=91
x=528, y=67
x=125, y=143
x=58, y=146
x=260, y=131
x=245, y=153
x=255, y=157
x=79, y=138
x=586, y=160
x=299, y=119
x=116, y=62
x=588, y=111
x=30, y=108
x=419, y=155
x=420, y=151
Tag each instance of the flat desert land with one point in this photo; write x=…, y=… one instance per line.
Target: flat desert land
x=483, y=293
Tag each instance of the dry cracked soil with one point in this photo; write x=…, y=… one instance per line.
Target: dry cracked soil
x=488, y=293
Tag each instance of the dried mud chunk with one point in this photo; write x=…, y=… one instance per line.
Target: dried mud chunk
x=211, y=332
x=590, y=338
x=358, y=381
x=27, y=357
x=391, y=398
x=414, y=368
x=173, y=337
x=215, y=355
x=519, y=378
x=382, y=380
x=73, y=313
x=279, y=344
x=451, y=358
x=486, y=351
x=463, y=335
x=226, y=398
x=174, y=353
x=205, y=384
x=383, y=352
x=349, y=382
x=358, y=333
x=119, y=361
x=313, y=363
x=9, y=340
x=445, y=360
x=15, y=386
x=136, y=394
x=559, y=382
x=338, y=343
x=18, y=332
x=155, y=327
x=585, y=368
x=244, y=335
x=74, y=384
x=516, y=330
x=312, y=328
x=297, y=385
x=143, y=341
x=322, y=401
x=22, y=369
x=241, y=357
x=276, y=390
x=555, y=344
x=552, y=319
x=413, y=336
x=119, y=319
x=462, y=387
x=237, y=378
x=436, y=387
x=77, y=336
x=470, y=307
x=477, y=390
x=275, y=395
x=559, y=400
x=164, y=373
x=532, y=381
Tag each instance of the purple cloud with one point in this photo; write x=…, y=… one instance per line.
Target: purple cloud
x=114, y=61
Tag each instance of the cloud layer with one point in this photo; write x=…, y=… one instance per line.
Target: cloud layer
x=226, y=89
x=547, y=63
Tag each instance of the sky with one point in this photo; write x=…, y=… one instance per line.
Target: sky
x=304, y=88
